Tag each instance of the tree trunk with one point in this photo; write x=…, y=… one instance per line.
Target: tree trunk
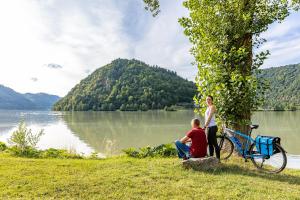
x=245, y=71
x=243, y=128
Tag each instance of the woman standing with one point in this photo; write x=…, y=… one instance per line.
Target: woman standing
x=212, y=128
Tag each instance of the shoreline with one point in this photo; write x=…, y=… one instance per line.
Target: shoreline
x=133, y=111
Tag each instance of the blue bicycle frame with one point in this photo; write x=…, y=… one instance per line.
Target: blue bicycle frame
x=239, y=146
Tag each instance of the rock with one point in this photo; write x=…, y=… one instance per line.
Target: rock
x=201, y=163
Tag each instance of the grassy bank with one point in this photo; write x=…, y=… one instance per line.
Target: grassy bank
x=129, y=178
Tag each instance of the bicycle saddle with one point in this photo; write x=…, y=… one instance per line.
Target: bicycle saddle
x=254, y=126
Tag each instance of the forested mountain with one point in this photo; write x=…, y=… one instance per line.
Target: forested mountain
x=128, y=85
x=42, y=100
x=284, y=87
x=10, y=99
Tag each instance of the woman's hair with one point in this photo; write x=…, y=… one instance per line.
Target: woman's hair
x=210, y=97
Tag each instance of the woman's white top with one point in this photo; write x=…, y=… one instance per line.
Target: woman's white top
x=212, y=120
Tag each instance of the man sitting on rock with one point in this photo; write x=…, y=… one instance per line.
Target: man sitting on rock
x=197, y=136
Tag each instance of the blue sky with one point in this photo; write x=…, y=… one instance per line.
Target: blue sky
x=50, y=45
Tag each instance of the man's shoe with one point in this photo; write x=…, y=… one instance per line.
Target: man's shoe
x=185, y=158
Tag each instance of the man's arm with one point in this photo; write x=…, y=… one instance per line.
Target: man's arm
x=185, y=139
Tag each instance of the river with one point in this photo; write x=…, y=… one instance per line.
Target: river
x=110, y=132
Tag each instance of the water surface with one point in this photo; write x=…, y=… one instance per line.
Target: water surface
x=110, y=132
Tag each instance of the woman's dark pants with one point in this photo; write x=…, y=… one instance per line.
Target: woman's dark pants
x=212, y=141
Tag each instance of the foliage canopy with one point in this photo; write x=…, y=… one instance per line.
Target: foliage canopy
x=224, y=35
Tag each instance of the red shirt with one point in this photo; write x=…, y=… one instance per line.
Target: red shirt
x=198, y=148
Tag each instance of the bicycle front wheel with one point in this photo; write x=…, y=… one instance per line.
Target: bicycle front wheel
x=226, y=147
x=271, y=164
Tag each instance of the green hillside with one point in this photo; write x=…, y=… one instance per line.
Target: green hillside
x=128, y=85
x=284, y=87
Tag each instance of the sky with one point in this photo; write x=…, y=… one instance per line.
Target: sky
x=50, y=45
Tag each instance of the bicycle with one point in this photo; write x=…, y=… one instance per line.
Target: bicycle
x=274, y=163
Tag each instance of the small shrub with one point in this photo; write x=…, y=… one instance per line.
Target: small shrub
x=163, y=150
x=24, y=145
x=131, y=152
x=96, y=156
x=166, y=150
x=24, y=139
x=28, y=152
x=51, y=153
x=59, y=153
x=146, y=152
x=3, y=146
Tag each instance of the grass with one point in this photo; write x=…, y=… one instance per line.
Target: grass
x=130, y=178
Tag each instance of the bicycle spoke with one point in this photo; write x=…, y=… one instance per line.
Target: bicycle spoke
x=273, y=164
x=262, y=163
x=226, y=147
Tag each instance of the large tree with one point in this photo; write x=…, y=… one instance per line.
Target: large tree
x=225, y=35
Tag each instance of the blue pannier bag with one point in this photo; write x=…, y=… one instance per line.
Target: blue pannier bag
x=265, y=145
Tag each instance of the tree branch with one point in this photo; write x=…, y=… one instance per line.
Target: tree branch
x=153, y=6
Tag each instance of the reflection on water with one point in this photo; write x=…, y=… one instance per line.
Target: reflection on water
x=105, y=132
x=110, y=132
x=11, y=118
x=57, y=134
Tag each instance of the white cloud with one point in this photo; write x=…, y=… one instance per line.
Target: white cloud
x=283, y=42
x=77, y=35
x=53, y=66
x=34, y=79
x=164, y=43
x=82, y=35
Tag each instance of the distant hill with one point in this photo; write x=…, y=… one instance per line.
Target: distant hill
x=128, y=85
x=284, y=87
x=42, y=100
x=10, y=99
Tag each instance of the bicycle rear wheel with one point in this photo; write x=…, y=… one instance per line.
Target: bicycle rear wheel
x=226, y=147
x=271, y=164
